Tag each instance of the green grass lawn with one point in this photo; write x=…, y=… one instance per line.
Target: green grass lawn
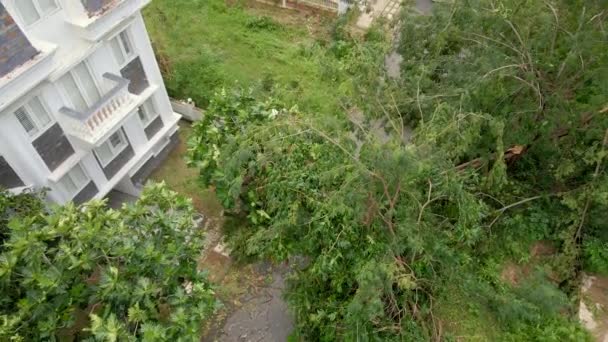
x=205, y=45
x=179, y=177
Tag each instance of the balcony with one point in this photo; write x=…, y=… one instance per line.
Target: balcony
x=92, y=126
x=99, y=17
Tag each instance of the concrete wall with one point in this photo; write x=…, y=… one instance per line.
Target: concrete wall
x=15, y=48
x=187, y=109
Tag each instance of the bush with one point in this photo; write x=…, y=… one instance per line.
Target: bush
x=197, y=77
x=262, y=23
x=596, y=256
x=75, y=272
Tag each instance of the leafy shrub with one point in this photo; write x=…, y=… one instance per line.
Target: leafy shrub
x=13, y=206
x=75, y=272
x=554, y=330
x=596, y=255
x=268, y=82
x=195, y=77
x=386, y=225
x=262, y=23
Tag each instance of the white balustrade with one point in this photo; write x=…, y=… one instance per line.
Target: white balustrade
x=103, y=115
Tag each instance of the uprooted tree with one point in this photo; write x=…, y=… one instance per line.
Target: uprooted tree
x=88, y=272
x=507, y=100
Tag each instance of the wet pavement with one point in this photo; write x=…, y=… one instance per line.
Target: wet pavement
x=264, y=316
x=260, y=314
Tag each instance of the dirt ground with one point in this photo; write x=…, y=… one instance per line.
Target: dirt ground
x=313, y=19
x=593, y=311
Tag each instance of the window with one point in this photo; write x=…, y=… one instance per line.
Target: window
x=33, y=116
x=146, y=112
x=80, y=88
x=32, y=10
x=111, y=147
x=74, y=181
x=122, y=48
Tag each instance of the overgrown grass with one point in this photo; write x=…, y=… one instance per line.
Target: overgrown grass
x=205, y=45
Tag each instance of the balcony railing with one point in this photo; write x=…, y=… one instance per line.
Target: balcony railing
x=92, y=124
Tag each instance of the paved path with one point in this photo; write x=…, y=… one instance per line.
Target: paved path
x=377, y=10
x=257, y=313
x=389, y=9
x=262, y=317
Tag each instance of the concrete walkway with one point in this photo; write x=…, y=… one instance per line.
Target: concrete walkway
x=263, y=317
x=379, y=8
x=389, y=9
x=261, y=313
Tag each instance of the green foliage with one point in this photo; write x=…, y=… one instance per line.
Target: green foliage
x=107, y=275
x=553, y=330
x=305, y=194
x=187, y=72
x=596, y=256
x=22, y=205
x=508, y=150
x=262, y=23
x=207, y=45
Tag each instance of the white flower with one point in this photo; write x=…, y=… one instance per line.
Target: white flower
x=273, y=113
x=188, y=287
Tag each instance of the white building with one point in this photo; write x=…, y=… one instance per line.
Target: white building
x=83, y=107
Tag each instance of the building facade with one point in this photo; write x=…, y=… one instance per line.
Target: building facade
x=83, y=107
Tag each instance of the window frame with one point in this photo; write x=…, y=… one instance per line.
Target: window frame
x=150, y=114
x=41, y=14
x=114, y=150
x=79, y=188
x=79, y=85
x=40, y=129
x=128, y=57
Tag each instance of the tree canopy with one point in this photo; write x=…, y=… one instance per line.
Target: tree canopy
x=93, y=273
x=486, y=215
